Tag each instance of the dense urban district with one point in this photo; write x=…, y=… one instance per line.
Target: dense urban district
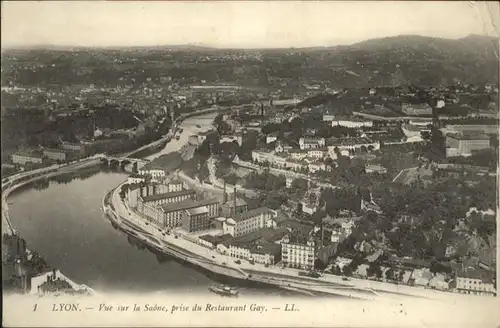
x=373, y=161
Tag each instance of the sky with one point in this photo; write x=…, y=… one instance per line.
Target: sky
x=237, y=24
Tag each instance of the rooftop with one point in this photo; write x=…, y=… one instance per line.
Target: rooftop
x=197, y=210
x=216, y=239
x=482, y=274
x=266, y=235
x=253, y=213
x=28, y=153
x=187, y=204
x=348, y=141
x=469, y=136
x=167, y=195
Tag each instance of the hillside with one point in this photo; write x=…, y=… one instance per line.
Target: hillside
x=403, y=59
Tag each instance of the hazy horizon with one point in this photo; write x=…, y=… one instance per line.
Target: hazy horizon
x=236, y=25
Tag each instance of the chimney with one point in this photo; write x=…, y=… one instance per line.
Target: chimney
x=234, y=200
x=225, y=194
x=54, y=273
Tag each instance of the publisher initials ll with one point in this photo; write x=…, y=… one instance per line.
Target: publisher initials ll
x=290, y=307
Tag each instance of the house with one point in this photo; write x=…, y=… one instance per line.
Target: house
x=232, y=138
x=311, y=142
x=423, y=109
x=271, y=137
x=261, y=156
x=196, y=219
x=168, y=197
x=154, y=173
x=75, y=147
x=475, y=281
x=363, y=144
x=56, y=154
x=464, y=144
x=317, y=152
x=174, y=185
x=282, y=147
x=171, y=214
x=298, y=251
x=352, y=123
x=375, y=169
x=135, y=178
x=23, y=157
x=309, y=208
x=248, y=222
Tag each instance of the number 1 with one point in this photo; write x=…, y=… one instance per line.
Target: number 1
x=34, y=307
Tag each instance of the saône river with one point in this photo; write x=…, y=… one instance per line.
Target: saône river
x=63, y=221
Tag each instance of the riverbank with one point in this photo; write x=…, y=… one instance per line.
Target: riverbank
x=285, y=278
x=17, y=181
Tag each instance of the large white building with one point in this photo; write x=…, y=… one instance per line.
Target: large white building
x=352, y=123
x=298, y=251
x=155, y=174
x=311, y=142
x=231, y=138
x=168, y=197
x=244, y=223
x=464, y=144
x=475, y=281
x=26, y=157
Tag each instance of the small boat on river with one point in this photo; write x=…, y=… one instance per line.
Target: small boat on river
x=224, y=290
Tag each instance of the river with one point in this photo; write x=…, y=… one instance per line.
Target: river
x=63, y=221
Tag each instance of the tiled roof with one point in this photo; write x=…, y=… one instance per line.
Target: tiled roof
x=187, y=204
x=167, y=195
x=197, y=210
x=253, y=213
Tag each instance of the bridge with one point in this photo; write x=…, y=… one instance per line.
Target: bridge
x=122, y=160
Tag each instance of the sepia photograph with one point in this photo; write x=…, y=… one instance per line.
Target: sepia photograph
x=250, y=163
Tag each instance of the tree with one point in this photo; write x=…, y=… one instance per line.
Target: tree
x=300, y=186
x=374, y=270
x=319, y=265
x=348, y=270
x=390, y=274
x=299, y=208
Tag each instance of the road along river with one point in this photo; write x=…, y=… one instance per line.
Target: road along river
x=62, y=220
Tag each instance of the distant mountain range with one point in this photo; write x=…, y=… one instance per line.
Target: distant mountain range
x=404, y=59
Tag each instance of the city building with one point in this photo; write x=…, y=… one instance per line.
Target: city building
x=352, y=144
x=23, y=157
x=248, y=222
x=196, y=219
x=259, y=246
x=282, y=147
x=135, y=178
x=317, y=152
x=76, y=147
x=352, y=123
x=155, y=174
x=232, y=138
x=271, y=137
x=475, y=281
x=311, y=142
x=234, y=207
x=174, y=185
x=463, y=144
x=56, y=154
x=416, y=109
x=375, y=169
x=168, y=197
x=297, y=251
x=170, y=214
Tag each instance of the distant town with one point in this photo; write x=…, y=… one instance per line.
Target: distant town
x=385, y=181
